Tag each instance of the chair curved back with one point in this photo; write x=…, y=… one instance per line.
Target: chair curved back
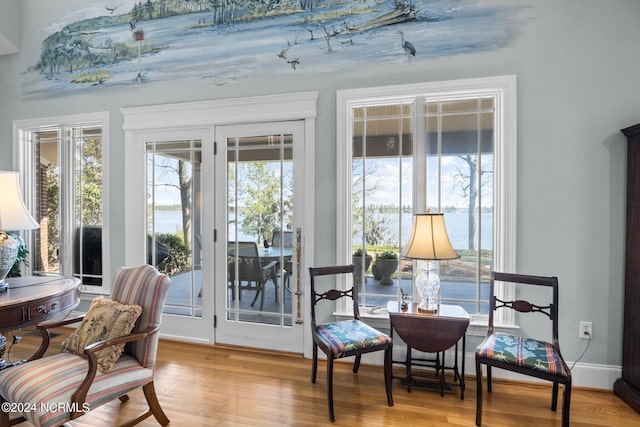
x=332, y=294
x=145, y=286
x=549, y=310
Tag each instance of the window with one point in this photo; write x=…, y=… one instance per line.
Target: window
x=62, y=166
x=445, y=147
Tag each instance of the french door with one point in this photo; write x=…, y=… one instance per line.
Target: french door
x=195, y=182
x=259, y=262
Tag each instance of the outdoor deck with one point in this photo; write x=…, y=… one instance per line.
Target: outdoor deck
x=180, y=294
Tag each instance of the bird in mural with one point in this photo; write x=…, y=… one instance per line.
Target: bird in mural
x=409, y=48
x=294, y=62
x=283, y=53
x=112, y=9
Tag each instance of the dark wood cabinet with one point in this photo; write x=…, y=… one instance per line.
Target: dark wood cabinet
x=628, y=386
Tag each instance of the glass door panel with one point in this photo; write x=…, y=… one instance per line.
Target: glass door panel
x=174, y=221
x=260, y=198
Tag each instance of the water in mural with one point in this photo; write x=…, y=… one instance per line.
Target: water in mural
x=224, y=41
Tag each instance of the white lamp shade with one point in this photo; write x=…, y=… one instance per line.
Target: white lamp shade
x=429, y=239
x=13, y=213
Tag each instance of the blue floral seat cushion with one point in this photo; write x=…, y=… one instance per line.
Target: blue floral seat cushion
x=520, y=351
x=349, y=335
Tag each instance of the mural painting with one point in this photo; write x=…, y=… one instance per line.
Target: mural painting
x=222, y=41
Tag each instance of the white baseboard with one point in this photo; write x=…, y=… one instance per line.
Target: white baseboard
x=583, y=374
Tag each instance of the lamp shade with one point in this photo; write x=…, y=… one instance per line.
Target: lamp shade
x=13, y=213
x=429, y=239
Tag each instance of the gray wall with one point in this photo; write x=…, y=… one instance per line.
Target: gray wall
x=10, y=26
x=578, y=84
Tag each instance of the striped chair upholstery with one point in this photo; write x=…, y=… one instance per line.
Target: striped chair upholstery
x=48, y=384
x=143, y=286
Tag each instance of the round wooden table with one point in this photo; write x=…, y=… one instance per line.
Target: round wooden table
x=34, y=299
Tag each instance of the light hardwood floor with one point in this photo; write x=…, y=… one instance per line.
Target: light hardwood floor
x=216, y=386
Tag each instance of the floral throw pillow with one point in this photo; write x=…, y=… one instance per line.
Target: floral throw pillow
x=105, y=319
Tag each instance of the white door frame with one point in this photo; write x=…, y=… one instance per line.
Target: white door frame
x=140, y=122
x=241, y=332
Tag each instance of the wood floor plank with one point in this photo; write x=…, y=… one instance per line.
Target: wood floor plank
x=220, y=386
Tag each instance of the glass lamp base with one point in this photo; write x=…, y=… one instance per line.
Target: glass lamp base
x=428, y=284
x=426, y=309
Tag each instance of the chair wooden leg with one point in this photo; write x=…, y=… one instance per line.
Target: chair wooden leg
x=356, y=364
x=478, y=393
x=388, y=373
x=489, y=378
x=330, y=387
x=154, y=405
x=314, y=365
x=554, y=396
x=566, y=403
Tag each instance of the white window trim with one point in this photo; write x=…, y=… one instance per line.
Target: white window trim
x=504, y=90
x=23, y=164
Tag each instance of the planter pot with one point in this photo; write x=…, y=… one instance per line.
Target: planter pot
x=376, y=273
x=357, y=262
x=386, y=267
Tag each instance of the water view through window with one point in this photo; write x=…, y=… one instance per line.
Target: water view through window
x=445, y=150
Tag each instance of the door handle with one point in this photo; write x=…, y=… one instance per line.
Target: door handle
x=298, y=291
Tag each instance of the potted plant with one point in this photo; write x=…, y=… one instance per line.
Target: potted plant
x=359, y=257
x=386, y=264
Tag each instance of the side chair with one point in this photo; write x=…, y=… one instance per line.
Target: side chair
x=347, y=337
x=528, y=356
x=90, y=373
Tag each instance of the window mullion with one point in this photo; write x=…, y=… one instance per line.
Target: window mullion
x=67, y=197
x=420, y=155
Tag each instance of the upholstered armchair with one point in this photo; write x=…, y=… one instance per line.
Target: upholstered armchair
x=112, y=352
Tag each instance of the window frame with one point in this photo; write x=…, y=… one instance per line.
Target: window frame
x=503, y=89
x=23, y=162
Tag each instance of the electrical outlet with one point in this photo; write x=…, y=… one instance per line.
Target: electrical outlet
x=586, y=330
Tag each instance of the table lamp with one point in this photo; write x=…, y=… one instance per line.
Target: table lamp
x=13, y=217
x=428, y=244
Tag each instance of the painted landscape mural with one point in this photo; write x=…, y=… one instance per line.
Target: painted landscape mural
x=222, y=41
